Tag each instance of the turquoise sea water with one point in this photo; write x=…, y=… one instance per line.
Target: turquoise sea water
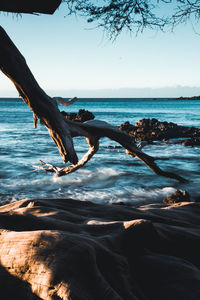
x=111, y=176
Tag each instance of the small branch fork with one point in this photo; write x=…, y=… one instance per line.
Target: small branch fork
x=94, y=146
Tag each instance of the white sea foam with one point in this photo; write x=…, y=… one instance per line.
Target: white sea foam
x=88, y=176
x=154, y=193
x=110, y=172
x=136, y=196
x=143, y=195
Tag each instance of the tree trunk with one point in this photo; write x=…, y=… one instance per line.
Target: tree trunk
x=14, y=66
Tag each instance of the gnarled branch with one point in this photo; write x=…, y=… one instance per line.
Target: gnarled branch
x=93, y=130
x=14, y=66
x=65, y=102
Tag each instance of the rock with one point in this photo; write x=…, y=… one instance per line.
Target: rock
x=191, y=142
x=154, y=130
x=126, y=127
x=189, y=98
x=177, y=197
x=82, y=115
x=69, y=116
x=69, y=249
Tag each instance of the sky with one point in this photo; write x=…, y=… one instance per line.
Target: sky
x=68, y=58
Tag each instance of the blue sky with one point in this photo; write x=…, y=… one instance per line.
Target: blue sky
x=69, y=59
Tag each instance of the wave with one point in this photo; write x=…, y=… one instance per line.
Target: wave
x=133, y=197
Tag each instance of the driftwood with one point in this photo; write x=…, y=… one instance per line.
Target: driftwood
x=61, y=130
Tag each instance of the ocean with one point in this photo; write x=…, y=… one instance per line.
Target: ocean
x=111, y=176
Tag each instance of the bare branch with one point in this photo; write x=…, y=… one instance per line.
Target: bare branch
x=135, y=15
x=65, y=102
x=50, y=168
x=94, y=146
x=93, y=130
x=187, y=10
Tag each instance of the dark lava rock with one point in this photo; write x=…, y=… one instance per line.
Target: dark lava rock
x=69, y=116
x=152, y=130
x=191, y=142
x=177, y=197
x=126, y=127
x=82, y=115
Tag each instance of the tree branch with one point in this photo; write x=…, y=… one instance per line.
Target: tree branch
x=65, y=102
x=94, y=130
x=14, y=66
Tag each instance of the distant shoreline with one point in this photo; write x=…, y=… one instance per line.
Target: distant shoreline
x=189, y=98
x=114, y=99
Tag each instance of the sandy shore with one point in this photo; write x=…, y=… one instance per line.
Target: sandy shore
x=68, y=249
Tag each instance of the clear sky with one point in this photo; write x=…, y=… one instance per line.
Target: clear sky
x=69, y=59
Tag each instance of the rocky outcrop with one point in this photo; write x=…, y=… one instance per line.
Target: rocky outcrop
x=195, y=141
x=126, y=126
x=82, y=115
x=73, y=250
x=154, y=130
x=148, y=130
x=177, y=197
